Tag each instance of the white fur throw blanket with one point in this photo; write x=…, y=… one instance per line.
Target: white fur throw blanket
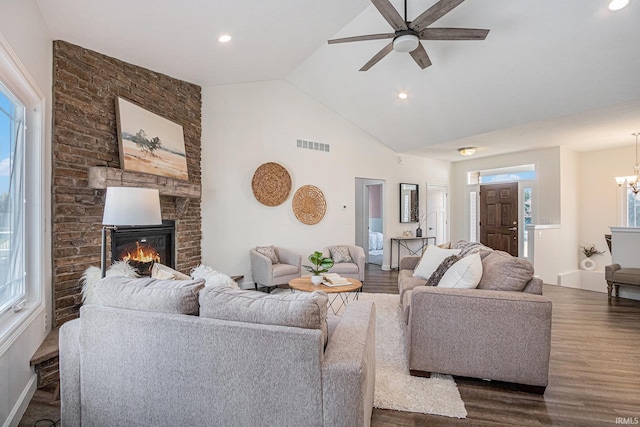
x=92, y=274
x=213, y=277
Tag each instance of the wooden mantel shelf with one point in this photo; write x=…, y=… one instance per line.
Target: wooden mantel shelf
x=101, y=177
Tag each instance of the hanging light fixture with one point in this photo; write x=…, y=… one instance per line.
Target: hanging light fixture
x=632, y=181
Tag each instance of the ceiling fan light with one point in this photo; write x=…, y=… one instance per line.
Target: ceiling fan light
x=405, y=43
x=618, y=4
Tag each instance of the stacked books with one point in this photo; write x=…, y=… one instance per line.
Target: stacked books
x=333, y=279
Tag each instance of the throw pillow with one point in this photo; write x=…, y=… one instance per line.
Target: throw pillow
x=147, y=294
x=340, y=254
x=213, y=277
x=92, y=274
x=302, y=309
x=162, y=272
x=464, y=274
x=503, y=272
x=269, y=252
x=442, y=268
x=431, y=259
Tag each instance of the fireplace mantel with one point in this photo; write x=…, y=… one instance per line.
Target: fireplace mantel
x=101, y=177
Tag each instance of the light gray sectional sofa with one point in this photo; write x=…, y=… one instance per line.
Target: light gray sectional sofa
x=144, y=356
x=500, y=335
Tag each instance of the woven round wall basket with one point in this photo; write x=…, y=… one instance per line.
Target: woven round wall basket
x=309, y=205
x=271, y=184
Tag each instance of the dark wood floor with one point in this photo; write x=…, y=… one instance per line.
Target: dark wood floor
x=594, y=375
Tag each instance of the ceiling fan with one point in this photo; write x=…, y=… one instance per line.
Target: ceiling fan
x=407, y=35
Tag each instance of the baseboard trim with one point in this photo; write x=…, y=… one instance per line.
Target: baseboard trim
x=23, y=402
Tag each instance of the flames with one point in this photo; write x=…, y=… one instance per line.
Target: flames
x=142, y=254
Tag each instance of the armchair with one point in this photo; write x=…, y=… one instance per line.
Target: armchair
x=269, y=275
x=355, y=269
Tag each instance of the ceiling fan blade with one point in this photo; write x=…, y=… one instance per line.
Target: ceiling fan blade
x=420, y=56
x=432, y=14
x=377, y=57
x=453, y=34
x=362, y=38
x=390, y=13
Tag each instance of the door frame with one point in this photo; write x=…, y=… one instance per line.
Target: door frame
x=362, y=214
x=428, y=210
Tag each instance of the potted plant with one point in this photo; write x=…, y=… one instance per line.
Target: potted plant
x=589, y=251
x=320, y=265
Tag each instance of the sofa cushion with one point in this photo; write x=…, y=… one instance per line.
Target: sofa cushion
x=406, y=281
x=503, y=272
x=148, y=294
x=302, y=309
x=280, y=270
x=431, y=259
x=269, y=252
x=464, y=274
x=340, y=254
x=345, y=268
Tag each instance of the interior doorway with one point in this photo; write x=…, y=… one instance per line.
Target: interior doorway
x=436, y=220
x=370, y=219
x=499, y=216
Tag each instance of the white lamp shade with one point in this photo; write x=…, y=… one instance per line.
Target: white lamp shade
x=132, y=206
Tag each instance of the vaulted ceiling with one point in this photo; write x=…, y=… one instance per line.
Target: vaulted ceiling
x=549, y=73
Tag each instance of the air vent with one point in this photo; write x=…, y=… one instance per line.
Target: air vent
x=312, y=145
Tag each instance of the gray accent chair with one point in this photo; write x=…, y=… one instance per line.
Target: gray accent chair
x=269, y=275
x=615, y=276
x=488, y=334
x=354, y=270
x=123, y=367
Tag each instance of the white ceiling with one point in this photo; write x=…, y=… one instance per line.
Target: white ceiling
x=562, y=72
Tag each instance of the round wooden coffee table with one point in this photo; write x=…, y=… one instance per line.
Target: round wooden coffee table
x=338, y=295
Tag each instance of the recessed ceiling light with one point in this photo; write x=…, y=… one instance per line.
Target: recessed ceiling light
x=224, y=38
x=618, y=4
x=402, y=95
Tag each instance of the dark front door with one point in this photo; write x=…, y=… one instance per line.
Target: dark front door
x=499, y=216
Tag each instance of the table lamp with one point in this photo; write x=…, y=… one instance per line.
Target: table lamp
x=128, y=206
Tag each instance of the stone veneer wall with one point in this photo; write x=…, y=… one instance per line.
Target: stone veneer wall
x=85, y=87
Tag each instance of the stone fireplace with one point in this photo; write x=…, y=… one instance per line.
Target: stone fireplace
x=143, y=246
x=86, y=160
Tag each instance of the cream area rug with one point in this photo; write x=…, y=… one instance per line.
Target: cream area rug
x=395, y=388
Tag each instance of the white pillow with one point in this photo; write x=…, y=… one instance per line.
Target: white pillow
x=431, y=259
x=464, y=274
x=163, y=272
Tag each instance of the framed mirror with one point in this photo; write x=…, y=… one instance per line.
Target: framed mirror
x=408, y=203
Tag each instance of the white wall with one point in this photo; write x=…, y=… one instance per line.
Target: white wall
x=600, y=205
x=546, y=204
x=600, y=196
x=555, y=201
x=246, y=125
x=23, y=27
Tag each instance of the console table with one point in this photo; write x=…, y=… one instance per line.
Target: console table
x=404, y=243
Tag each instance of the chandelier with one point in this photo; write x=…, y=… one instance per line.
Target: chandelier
x=632, y=181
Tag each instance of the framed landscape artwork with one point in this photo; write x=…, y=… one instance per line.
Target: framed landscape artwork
x=150, y=143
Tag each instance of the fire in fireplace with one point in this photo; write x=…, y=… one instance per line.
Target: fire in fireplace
x=143, y=246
